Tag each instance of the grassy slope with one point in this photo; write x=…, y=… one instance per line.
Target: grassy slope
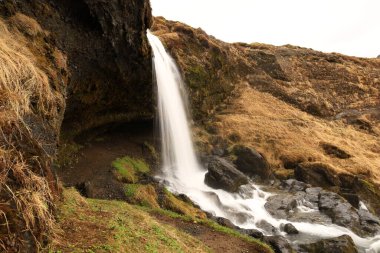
x=279, y=130
x=90, y=225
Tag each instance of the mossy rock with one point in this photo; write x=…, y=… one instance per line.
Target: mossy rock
x=144, y=195
x=129, y=170
x=174, y=204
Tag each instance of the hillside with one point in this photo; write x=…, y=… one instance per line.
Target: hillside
x=294, y=105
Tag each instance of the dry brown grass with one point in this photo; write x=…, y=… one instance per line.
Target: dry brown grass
x=283, y=132
x=25, y=92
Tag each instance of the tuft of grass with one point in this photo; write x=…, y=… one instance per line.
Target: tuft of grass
x=172, y=203
x=144, y=195
x=129, y=169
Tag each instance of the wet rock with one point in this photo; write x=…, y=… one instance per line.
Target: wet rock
x=369, y=222
x=279, y=244
x=224, y=222
x=251, y=162
x=293, y=185
x=263, y=224
x=353, y=199
x=252, y=233
x=280, y=205
x=312, y=194
x=289, y=229
x=339, y=210
x=341, y=244
x=318, y=174
x=223, y=175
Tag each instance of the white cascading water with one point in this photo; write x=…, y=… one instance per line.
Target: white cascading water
x=182, y=173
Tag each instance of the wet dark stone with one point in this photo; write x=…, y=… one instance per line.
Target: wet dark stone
x=252, y=233
x=341, y=244
x=289, y=229
x=251, y=162
x=223, y=175
x=317, y=174
x=267, y=227
x=293, y=185
x=279, y=244
x=353, y=199
x=312, y=194
x=224, y=222
x=339, y=210
x=280, y=205
x=369, y=222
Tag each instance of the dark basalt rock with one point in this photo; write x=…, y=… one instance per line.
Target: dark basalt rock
x=279, y=244
x=369, y=222
x=263, y=224
x=289, y=229
x=224, y=222
x=251, y=162
x=339, y=210
x=341, y=244
x=293, y=185
x=317, y=174
x=252, y=233
x=223, y=175
x=280, y=205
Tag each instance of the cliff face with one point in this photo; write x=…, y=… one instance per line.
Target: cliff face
x=92, y=56
x=296, y=106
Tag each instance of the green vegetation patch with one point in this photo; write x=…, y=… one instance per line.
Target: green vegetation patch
x=129, y=169
x=92, y=225
x=144, y=195
x=174, y=204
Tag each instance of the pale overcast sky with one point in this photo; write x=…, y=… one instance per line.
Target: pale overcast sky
x=350, y=27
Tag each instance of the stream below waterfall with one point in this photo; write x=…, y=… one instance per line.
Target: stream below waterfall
x=183, y=173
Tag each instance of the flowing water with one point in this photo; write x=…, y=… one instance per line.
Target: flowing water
x=182, y=172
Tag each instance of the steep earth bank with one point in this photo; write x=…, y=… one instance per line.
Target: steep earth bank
x=92, y=56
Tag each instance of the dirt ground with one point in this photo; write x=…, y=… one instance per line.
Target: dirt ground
x=92, y=173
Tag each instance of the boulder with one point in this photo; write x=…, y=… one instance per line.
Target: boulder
x=339, y=210
x=369, y=222
x=341, y=244
x=251, y=162
x=224, y=222
x=254, y=233
x=280, y=205
x=269, y=228
x=223, y=175
x=317, y=174
x=289, y=228
x=279, y=244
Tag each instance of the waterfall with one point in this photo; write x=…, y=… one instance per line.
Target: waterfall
x=182, y=173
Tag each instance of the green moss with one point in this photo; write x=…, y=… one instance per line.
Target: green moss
x=144, y=195
x=172, y=203
x=197, y=76
x=129, y=169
